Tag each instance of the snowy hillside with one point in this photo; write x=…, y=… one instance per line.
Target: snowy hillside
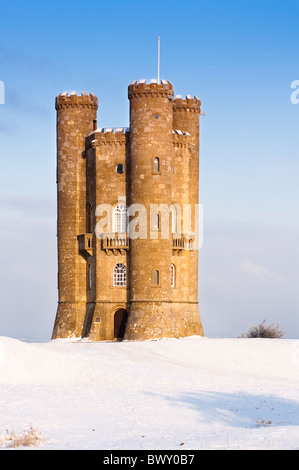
x=192, y=393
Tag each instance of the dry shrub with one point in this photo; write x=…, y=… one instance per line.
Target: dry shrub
x=264, y=331
x=29, y=438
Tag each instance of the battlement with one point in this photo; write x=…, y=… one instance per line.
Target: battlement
x=181, y=138
x=85, y=100
x=153, y=88
x=109, y=130
x=179, y=132
x=107, y=136
x=189, y=103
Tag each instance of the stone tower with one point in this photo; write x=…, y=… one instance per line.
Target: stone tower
x=128, y=262
x=75, y=117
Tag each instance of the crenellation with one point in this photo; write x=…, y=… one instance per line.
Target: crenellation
x=107, y=136
x=180, y=132
x=181, y=139
x=152, y=89
x=188, y=104
x=64, y=100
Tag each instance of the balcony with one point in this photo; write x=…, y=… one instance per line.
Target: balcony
x=85, y=244
x=116, y=243
x=181, y=242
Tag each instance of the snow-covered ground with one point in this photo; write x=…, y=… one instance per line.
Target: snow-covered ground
x=191, y=393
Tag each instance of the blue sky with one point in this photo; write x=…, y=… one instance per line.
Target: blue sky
x=240, y=59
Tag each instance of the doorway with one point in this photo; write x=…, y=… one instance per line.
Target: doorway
x=120, y=323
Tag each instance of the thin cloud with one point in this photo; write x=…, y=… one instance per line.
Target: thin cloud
x=258, y=271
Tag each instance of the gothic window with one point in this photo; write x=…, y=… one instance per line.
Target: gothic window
x=120, y=218
x=172, y=275
x=119, y=275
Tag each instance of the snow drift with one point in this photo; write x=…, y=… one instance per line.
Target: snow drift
x=191, y=393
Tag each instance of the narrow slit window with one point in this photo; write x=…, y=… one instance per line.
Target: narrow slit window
x=172, y=275
x=156, y=165
x=173, y=219
x=89, y=276
x=156, y=278
x=89, y=219
x=156, y=221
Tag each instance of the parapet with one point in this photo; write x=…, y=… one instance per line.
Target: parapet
x=85, y=100
x=179, y=132
x=181, y=138
x=153, y=88
x=189, y=103
x=108, y=136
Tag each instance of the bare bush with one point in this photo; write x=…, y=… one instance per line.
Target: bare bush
x=264, y=331
x=29, y=438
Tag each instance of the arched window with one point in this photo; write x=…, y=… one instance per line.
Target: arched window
x=156, y=165
x=156, y=278
x=120, y=218
x=172, y=275
x=119, y=275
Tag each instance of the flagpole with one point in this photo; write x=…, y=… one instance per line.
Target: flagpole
x=158, y=60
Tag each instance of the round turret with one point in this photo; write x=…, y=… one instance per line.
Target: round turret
x=186, y=114
x=150, y=186
x=75, y=120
